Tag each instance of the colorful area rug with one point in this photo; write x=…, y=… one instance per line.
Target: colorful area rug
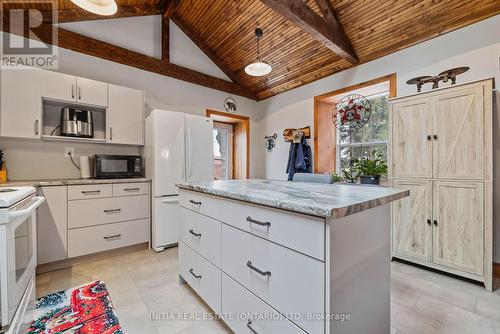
x=86, y=309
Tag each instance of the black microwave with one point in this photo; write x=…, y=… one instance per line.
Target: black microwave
x=118, y=166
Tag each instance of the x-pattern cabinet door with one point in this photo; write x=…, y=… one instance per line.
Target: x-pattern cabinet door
x=458, y=225
x=459, y=126
x=411, y=144
x=411, y=220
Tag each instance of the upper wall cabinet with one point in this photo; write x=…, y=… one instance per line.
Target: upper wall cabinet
x=91, y=92
x=65, y=87
x=31, y=100
x=21, y=102
x=125, y=115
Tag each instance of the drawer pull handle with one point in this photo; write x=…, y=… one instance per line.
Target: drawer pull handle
x=113, y=210
x=90, y=192
x=194, y=233
x=112, y=237
x=194, y=202
x=191, y=271
x=253, y=221
x=257, y=270
x=249, y=326
x=132, y=189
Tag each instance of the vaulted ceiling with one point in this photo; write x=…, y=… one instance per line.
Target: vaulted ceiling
x=304, y=40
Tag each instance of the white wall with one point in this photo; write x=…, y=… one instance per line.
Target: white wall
x=142, y=35
x=476, y=46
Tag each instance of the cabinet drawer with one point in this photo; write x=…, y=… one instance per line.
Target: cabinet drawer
x=288, y=281
x=202, y=234
x=237, y=300
x=201, y=275
x=106, y=210
x=89, y=191
x=130, y=189
x=94, y=239
x=279, y=226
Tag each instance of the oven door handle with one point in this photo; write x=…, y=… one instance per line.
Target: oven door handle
x=16, y=214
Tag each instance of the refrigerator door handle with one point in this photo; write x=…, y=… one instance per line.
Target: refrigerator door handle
x=188, y=155
x=183, y=155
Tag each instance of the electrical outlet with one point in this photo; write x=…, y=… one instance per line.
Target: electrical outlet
x=68, y=151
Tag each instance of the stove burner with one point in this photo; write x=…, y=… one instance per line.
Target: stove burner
x=7, y=190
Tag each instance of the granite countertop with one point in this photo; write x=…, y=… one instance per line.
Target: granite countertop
x=70, y=182
x=322, y=200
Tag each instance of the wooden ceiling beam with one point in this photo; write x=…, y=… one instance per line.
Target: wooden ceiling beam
x=210, y=54
x=93, y=47
x=77, y=14
x=168, y=10
x=326, y=30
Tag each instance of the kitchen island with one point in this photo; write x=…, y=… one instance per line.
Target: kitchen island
x=284, y=257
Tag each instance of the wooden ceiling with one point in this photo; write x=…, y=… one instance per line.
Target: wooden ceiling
x=298, y=50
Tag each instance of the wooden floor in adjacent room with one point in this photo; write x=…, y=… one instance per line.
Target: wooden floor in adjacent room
x=144, y=282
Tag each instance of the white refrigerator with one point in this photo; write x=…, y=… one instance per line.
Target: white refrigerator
x=179, y=148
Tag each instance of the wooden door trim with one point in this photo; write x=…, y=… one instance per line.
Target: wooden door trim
x=238, y=119
x=496, y=270
x=391, y=78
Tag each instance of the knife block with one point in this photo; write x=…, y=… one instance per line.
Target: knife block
x=3, y=174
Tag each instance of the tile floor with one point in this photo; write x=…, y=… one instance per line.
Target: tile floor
x=423, y=302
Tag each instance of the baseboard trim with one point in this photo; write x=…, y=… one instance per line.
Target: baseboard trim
x=496, y=270
x=47, y=267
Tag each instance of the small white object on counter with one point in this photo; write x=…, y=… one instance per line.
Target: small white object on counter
x=84, y=167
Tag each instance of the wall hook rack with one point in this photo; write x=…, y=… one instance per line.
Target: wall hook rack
x=271, y=142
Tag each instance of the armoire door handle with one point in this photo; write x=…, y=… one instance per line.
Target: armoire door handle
x=435, y=137
x=429, y=137
x=429, y=222
x=435, y=222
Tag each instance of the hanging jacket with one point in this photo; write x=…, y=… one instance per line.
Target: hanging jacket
x=299, y=159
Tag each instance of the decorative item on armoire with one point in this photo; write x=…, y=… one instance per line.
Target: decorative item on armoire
x=299, y=156
x=444, y=76
x=271, y=142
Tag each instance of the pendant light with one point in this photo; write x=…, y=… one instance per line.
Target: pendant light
x=99, y=7
x=259, y=67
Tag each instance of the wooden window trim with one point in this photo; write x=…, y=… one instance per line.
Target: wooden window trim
x=235, y=119
x=390, y=78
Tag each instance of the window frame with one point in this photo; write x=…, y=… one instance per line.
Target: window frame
x=339, y=146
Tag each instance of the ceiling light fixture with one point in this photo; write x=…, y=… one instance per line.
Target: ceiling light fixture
x=99, y=7
x=259, y=67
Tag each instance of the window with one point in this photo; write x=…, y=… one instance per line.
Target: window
x=372, y=136
x=222, y=142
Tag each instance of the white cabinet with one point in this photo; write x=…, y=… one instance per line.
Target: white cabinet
x=440, y=148
x=66, y=87
x=21, y=103
x=31, y=100
x=52, y=225
x=79, y=220
x=59, y=86
x=125, y=115
x=91, y=92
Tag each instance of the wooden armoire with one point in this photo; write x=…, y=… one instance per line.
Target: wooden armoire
x=440, y=148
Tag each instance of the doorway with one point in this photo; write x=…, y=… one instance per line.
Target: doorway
x=231, y=138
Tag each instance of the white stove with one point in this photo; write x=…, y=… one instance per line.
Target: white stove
x=11, y=195
x=17, y=254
